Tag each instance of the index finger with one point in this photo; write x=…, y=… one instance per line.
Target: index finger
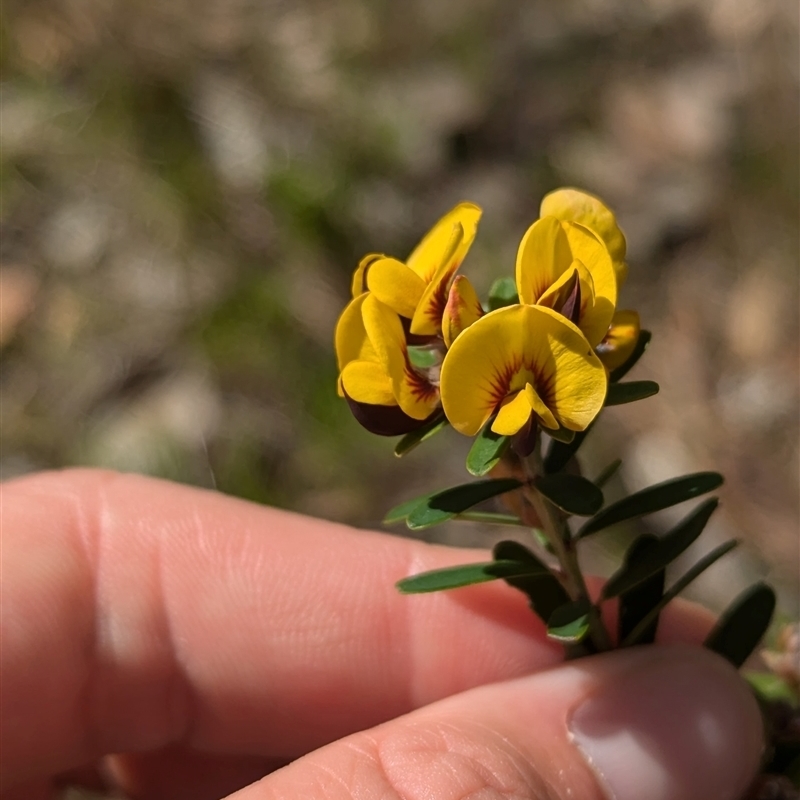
x=138, y=614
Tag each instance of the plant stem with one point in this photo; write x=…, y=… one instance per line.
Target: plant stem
x=554, y=524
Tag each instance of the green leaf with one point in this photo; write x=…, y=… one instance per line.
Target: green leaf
x=563, y=435
x=700, y=567
x=639, y=567
x=571, y=493
x=503, y=293
x=641, y=345
x=545, y=593
x=490, y=518
x=569, y=623
x=653, y=498
x=637, y=602
x=607, y=474
x=423, y=356
x=559, y=454
x=417, y=437
x=438, y=580
x=742, y=626
x=445, y=505
x=400, y=512
x=629, y=392
x=486, y=450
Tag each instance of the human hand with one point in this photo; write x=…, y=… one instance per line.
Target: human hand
x=213, y=641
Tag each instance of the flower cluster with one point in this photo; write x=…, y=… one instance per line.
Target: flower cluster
x=415, y=342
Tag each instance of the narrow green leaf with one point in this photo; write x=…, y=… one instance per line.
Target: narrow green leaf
x=490, y=518
x=447, y=504
x=559, y=454
x=503, y=293
x=423, y=356
x=512, y=550
x=637, y=602
x=630, y=392
x=545, y=593
x=486, y=450
x=417, y=437
x=742, y=626
x=701, y=566
x=639, y=567
x=607, y=474
x=571, y=493
x=438, y=580
x=653, y=498
x=641, y=345
x=569, y=623
x=400, y=512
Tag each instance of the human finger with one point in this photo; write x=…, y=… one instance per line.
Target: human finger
x=669, y=723
x=139, y=614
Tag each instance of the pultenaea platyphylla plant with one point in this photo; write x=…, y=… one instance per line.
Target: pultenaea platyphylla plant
x=527, y=374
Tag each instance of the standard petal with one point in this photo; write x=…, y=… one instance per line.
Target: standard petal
x=427, y=320
x=366, y=382
x=415, y=395
x=359, y=282
x=395, y=285
x=462, y=309
x=427, y=256
x=620, y=341
x=577, y=206
x=590, y=250
x=511, y=347
x=543, y=256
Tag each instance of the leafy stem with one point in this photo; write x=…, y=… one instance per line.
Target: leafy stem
x=554, y=524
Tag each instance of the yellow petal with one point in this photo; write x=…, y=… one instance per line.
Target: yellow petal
x=544, y=414
x=620, y=341
x=427, y=256
x=427, y=320
x=462, y=309
x=513, y=414
x=359, y=282
x=543, y=256
x=590, y=250
x=595, y=313
x=588, y=210
x=413, y=393
x=395, y=285
x=350, y=339
x=366, y=382
x=511, y=347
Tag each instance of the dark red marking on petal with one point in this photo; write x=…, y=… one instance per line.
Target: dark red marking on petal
x=384, y=420
x=421, y=387
x=572, y=305
x=415, y=339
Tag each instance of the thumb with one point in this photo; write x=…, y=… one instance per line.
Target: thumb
x=663, y=723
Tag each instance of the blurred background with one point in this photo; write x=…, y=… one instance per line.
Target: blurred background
x=187, y=187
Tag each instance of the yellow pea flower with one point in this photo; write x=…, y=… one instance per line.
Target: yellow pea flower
x=620, y=341
x=386, y=392
x=554, y=252
x=573, y=205
x=520, y=361
x=418, y=288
